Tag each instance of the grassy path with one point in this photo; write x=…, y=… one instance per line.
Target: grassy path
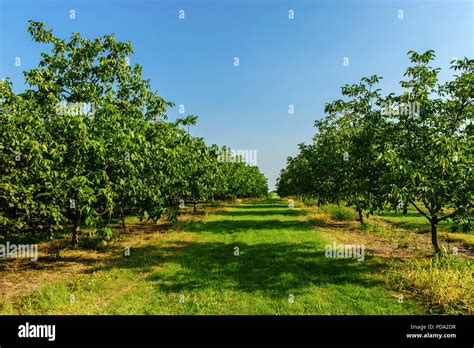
x=280, y=269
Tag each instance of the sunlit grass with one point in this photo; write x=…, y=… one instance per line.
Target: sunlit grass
x=252, y=258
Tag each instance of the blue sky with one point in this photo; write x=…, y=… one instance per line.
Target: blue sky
x=282, y=61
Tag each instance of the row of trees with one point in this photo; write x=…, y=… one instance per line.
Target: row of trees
x=89, y=140
x=377, y=152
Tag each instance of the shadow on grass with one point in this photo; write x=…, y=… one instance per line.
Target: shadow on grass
x=287, y=212
x=259, y=207
x=273, y=204
x=147, y=228
x=275, y=269
x=343, y=225
x=31, y=238
x=272, y=268
x=235, y=226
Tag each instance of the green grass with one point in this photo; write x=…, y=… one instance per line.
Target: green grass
x=195, y=271
x=415, y=221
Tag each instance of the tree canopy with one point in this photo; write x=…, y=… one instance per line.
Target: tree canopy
x=89, y=140
x=378, y=152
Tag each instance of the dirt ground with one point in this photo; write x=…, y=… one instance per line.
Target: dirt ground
x=58, y=261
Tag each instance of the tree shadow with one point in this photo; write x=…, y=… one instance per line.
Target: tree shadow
x=288, y=212
x=31, y=238
x=236, y=226
x=271, y=268
x=274, y=269
x=261, y=206
x=343, y=225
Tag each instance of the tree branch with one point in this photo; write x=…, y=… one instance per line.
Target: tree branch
x=427, y=206
x=448, y=216
x=420, y=211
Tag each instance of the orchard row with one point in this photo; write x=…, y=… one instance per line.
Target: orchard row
x=377, y=152
x=62, y=167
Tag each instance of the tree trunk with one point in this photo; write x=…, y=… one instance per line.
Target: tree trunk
x=361, y=217
x=76, y=227
x=194, y=209
x=122, y=218
x=434, y=234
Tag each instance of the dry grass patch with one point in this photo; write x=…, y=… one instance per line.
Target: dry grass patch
x=21, y=276
x=58, y=262
x=444, y=283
